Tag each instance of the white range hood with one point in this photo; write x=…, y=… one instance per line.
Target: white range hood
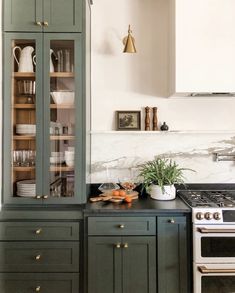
x=202, y=47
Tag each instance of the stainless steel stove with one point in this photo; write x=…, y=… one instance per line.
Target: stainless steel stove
x=213, y=224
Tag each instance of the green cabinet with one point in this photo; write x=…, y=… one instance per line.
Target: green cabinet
x=172, y=249
x=43, y=119
x=122, y=263
x=39, y=282
x=43, y=15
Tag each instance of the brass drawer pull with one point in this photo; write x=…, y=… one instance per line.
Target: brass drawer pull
x=118, y=245
x=38, y=289
x=45, y=23
x=172, y=221
x=205, y=270
x=38, y=231
x=38, y=257
x=121, y=226
x=125, y=245
x=38, y=23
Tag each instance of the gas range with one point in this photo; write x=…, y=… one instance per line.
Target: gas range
x=210, y=206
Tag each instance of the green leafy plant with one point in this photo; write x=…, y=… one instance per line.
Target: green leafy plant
x=161, y=172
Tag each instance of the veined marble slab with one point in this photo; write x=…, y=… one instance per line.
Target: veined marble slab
x=121, y=152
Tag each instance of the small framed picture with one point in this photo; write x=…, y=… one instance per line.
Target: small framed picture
x=128, y=120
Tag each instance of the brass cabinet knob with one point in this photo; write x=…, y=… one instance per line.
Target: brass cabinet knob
x=38, y=289
x=121, y=226
x=38, y=23
x=38, y=231
x=125, y=245
x=172, y=221
x=45, y=196
x=45, y=23
x=38, y=257
x=38, y=197
x=118, y=245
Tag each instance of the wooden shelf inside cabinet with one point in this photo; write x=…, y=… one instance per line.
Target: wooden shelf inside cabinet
x=62, y=137
x=61, y=169
x=61, y=106
x=23, y=169
x=24, y=74
x=24, y=137
x=24, y=106
x=61, y=74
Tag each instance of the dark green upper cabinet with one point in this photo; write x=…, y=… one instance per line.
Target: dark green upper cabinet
x=43, y=15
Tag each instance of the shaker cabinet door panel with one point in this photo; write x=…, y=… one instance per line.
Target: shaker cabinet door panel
x=22, y=15
x=104, y=265
x=63, y=16
x=139, y=264
x=172, y=255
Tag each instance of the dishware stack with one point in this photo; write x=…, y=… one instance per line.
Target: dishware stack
x=69, y=157
x=57, y=158
x=26, y=188
x=23, y=129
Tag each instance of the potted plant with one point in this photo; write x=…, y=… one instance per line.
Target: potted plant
x=159, y=176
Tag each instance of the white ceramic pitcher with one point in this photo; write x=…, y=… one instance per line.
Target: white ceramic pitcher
x=25, y=62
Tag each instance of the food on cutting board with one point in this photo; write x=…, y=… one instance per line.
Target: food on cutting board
x=117, y=196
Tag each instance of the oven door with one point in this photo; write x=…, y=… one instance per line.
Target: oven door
x=214, y=244
x=214, y=278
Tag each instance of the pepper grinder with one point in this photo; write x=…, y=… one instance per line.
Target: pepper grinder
x=155, y=127
x=147, y=118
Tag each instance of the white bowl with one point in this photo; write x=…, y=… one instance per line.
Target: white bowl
x=56, y=160
x=63, y=97
x=69, y=163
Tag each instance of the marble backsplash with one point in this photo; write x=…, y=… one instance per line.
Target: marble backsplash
x=120, y=153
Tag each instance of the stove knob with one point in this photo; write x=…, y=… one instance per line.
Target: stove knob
x=208, y=216
x=217, y=216
x=199, y=216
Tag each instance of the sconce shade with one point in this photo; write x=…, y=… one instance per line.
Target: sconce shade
x=129, y=43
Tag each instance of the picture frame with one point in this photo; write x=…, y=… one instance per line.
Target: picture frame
x=128, y=120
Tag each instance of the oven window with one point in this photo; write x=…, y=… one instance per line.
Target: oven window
x=218, y=284
x=218, y=246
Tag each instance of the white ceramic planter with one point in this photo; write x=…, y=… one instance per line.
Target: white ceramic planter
x=168, y=193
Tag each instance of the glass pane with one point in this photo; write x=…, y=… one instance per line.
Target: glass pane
x=23, y=118
x=218, y=284
x=62, y=118
x=218, y=246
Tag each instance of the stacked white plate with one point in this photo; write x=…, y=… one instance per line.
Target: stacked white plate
x=26, y=188
x=25, y=129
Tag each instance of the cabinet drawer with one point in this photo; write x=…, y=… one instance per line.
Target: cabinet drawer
x=46, y=283
x=39, y=231
x=39, y=256
x=121, y=226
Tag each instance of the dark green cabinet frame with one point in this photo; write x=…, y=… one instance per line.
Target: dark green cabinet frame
x=43, y=15
x=42, y=42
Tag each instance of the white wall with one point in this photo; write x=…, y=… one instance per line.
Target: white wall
x=133, y=81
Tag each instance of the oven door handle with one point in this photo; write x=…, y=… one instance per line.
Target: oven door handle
x=205, y=270
x=207, y=231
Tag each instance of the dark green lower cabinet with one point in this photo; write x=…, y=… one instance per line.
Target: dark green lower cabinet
x=43, y=282
x=173, y=270
x=122, y=264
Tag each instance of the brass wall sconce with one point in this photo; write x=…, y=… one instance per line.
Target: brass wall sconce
x=129, y=42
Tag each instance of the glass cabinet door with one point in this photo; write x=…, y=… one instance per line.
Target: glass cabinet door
x=22, y=119
x=63, y=121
